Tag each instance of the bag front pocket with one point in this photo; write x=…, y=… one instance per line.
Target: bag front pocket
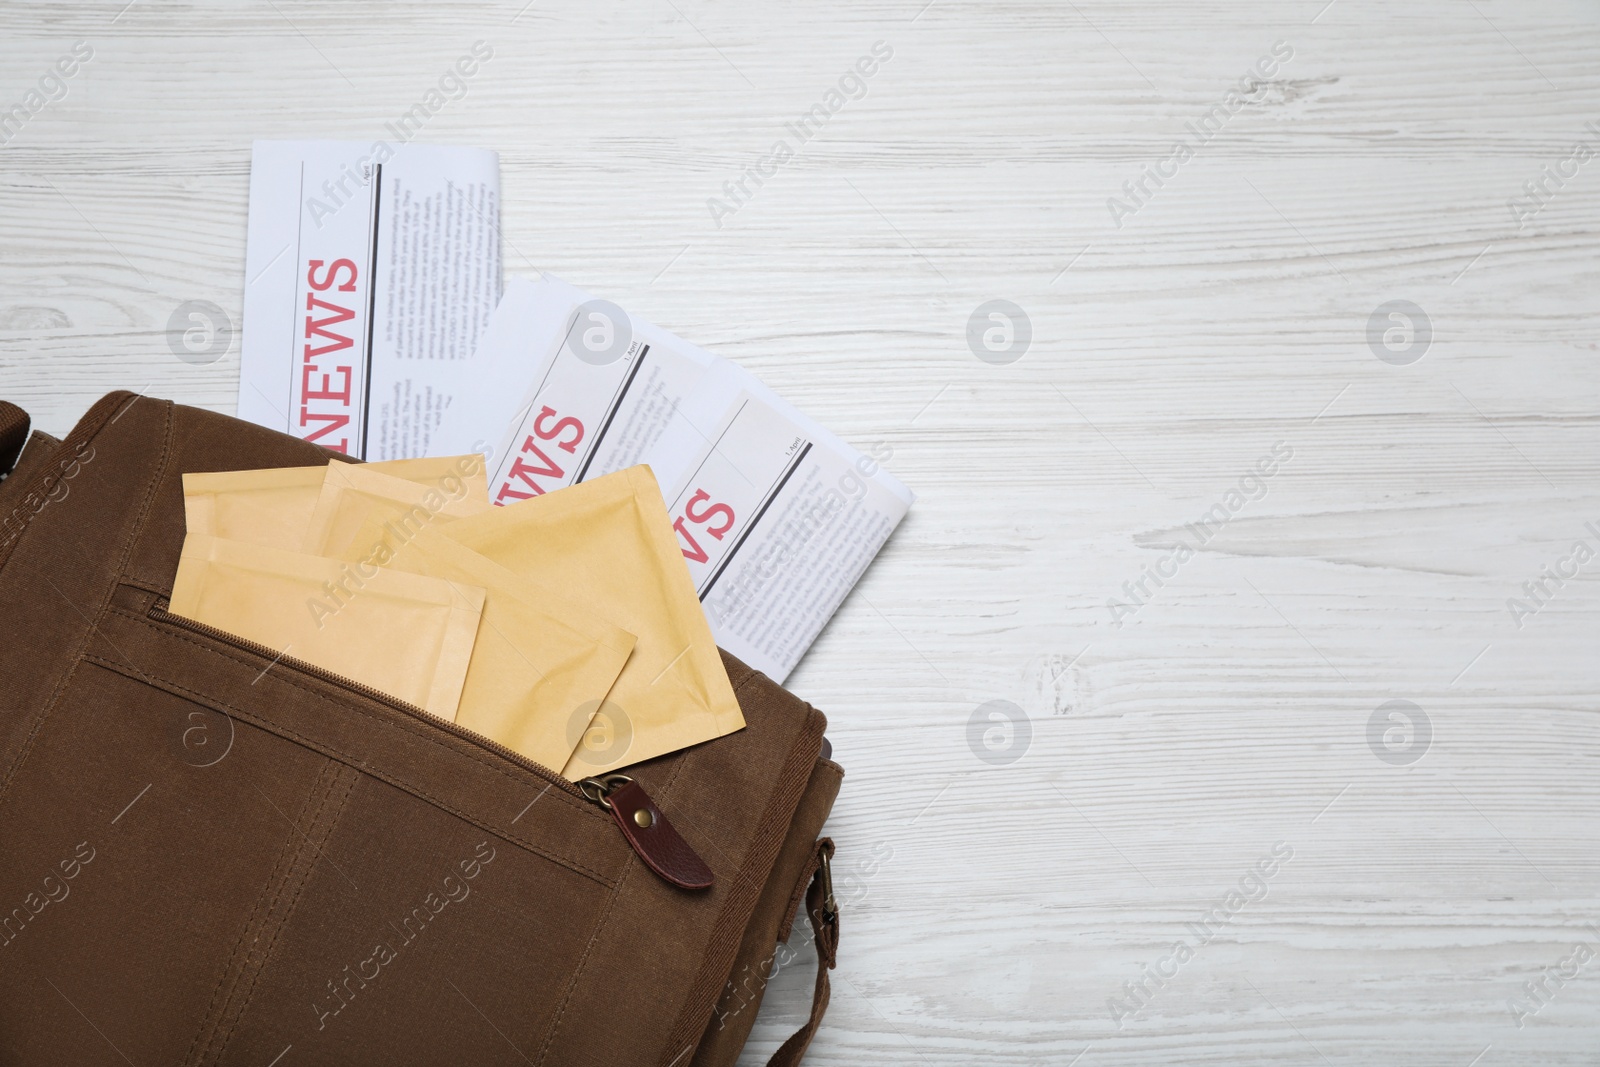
x=311, y=867
x=417, y=938
x=150, y=863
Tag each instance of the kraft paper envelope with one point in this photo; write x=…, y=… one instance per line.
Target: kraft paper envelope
x=608, y=543
x=434, y=470
x=402, y=634
x=273, y=507
x=351, y=494
x=541, y=665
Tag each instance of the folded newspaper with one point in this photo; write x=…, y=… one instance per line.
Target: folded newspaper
x=370, y=272
x=375, y=326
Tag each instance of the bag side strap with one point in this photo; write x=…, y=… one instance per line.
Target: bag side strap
x=13, y=435
x=824, y=912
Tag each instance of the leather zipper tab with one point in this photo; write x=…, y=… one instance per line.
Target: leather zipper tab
x=648, y=831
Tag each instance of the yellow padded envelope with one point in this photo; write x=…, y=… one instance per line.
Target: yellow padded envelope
x=403, y=634
x=436, y=470
x=351, y=494
x=539, y=660
x=609, y=544
x=273, y=507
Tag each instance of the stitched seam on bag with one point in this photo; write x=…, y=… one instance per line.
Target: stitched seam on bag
x=138, y=583
x=666, y=793
x=311, y=853
x=600, y=925
x=554, y=1025
x=227, y=969
x=413, y=730
x=94, y=623
x=745, y=683
x=315, y=853
x=354, y=762
x=305, y=848
x=8, y=548
x=739, y=872
x=249, y=934
x=741, y=875
x=792, y=910
x=786, y=797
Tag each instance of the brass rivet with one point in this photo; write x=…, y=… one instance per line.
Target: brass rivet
x=643, y=818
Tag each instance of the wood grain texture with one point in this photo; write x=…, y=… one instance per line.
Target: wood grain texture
x=995, y=910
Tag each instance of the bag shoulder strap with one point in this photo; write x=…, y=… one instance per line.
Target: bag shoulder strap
x=824, y=912
x=13, y=435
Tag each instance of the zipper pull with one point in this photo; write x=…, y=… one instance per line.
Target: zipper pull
x=648, y=830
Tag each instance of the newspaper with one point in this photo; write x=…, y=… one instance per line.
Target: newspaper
x=776, y=517
x=575, y=383
x=372, y=271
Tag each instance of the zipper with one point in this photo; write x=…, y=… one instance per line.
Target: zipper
x=648, y=831
x=159, y=613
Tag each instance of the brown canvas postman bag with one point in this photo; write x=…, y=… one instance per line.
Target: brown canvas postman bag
x=213, y=855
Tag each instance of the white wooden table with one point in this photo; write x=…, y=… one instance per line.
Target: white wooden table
x=1005, y=882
